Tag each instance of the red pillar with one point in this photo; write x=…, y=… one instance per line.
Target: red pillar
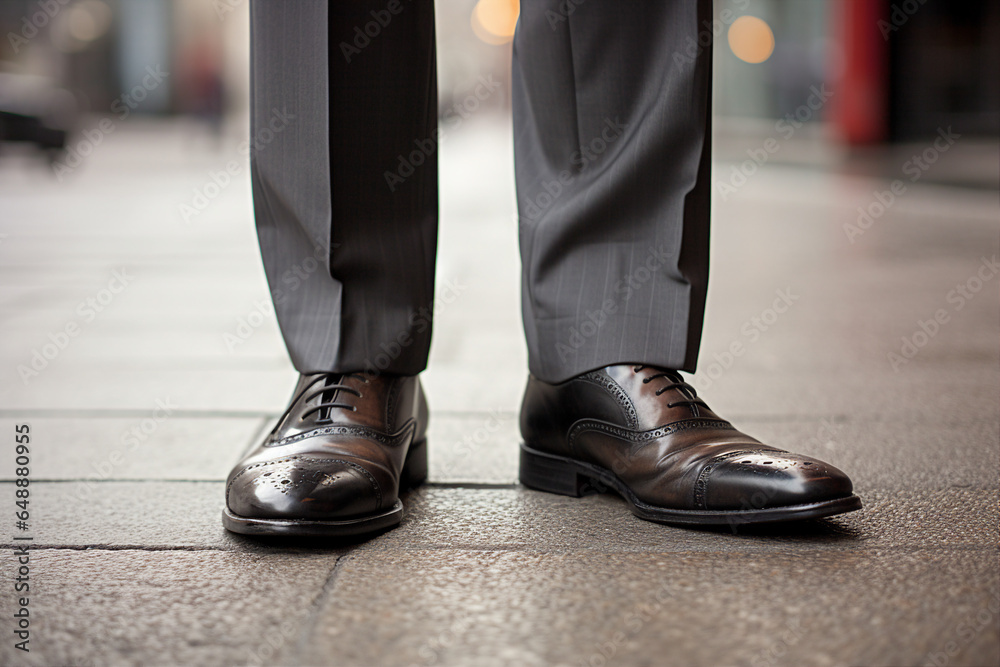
x=860, y=110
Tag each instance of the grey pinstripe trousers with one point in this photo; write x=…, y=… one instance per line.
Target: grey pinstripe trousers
x=612, y=106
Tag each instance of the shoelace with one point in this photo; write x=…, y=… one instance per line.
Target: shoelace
x=676, y=382
x=332, y=385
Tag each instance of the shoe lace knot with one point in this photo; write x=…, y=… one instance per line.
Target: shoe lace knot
x=328, y=387
x=674, y=381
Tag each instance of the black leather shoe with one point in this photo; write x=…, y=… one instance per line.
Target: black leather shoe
x=335, y=462
x=643, y=432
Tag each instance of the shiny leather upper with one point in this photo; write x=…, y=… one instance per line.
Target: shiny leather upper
x=336, y=453
x=649, y=428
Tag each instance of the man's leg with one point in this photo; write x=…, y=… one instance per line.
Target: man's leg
x=611, y=123
x=612, y=130
x=345, y=196
x=340, y=91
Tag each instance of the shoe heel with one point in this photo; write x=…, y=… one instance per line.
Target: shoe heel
x=552, y=474
x=415, y=467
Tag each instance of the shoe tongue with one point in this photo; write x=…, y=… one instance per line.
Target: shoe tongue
x=329, y=394
x=332, y=379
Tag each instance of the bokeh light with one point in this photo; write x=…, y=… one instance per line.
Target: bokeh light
x=751, y=39
x=80, y=25
x=493, y=21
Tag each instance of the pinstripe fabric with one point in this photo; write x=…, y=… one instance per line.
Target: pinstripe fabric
x=290, y=174
x=612, y=142
x=320, y=191
x=611, y=129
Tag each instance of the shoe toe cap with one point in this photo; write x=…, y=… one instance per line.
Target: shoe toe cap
x=303, y=487
x=765, y=480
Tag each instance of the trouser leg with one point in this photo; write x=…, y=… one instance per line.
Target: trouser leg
x=347, y=235
x=612, y=105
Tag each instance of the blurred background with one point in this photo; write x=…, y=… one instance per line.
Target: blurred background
x=901, y=70
x=123, y=129
x=852, y=315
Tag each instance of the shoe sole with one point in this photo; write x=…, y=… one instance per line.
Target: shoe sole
x=569, y=477
x=414, y=474
x=303, y=528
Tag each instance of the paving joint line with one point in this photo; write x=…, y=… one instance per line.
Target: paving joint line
x=311, y=619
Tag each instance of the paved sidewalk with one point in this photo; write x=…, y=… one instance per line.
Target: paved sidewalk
x=158, y=362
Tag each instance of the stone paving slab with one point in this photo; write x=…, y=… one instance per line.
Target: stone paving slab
x=934, y=392
x=929, y=395
x=474, y=449
x=187, y=514
x=444, y=607
x=521, y=518
x=479, y=448
x=891, y=453
x=455, y=607
x=155, y=445
x=504, y=575
x=166, y=608
x=952, y=395
x=163, y=515
x=253, y=390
